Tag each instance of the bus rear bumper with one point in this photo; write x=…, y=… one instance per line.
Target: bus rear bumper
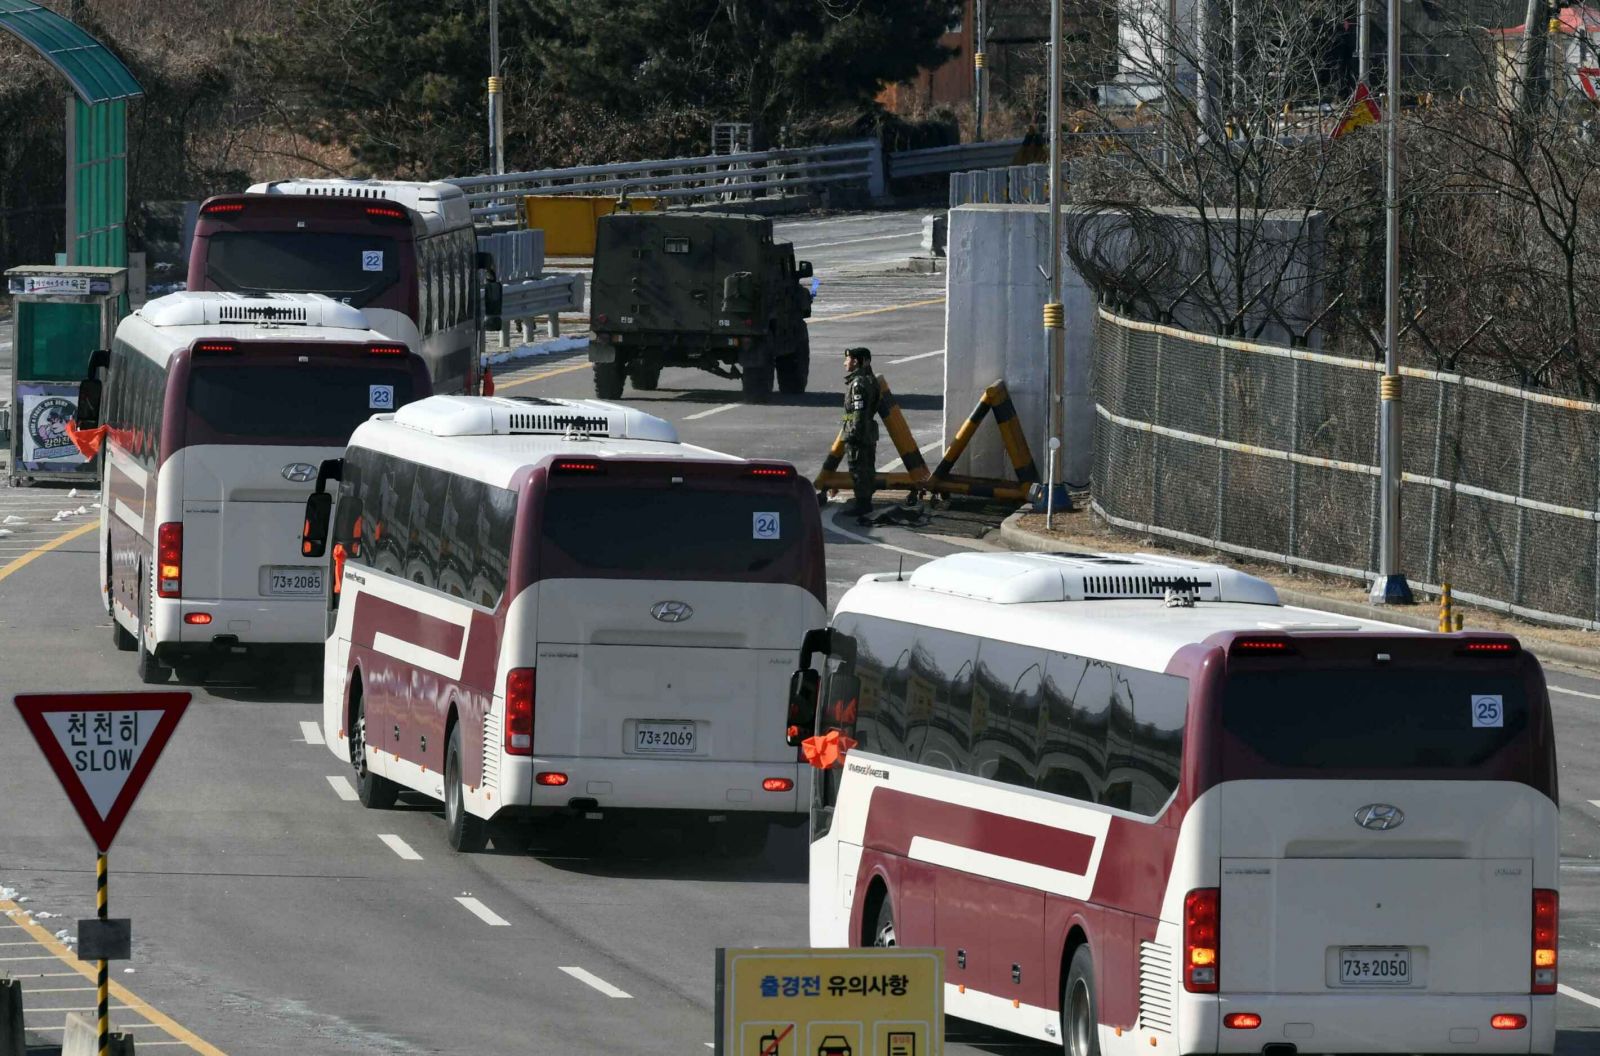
x=275, y=621
x=667, y=784
x=1370, y=1023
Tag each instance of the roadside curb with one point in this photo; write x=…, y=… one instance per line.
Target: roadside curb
x=1014, y=537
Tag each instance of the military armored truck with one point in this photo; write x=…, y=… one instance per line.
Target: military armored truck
x=707, y=290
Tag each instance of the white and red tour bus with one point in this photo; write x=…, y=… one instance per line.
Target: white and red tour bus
x=218, y=409
x=403, y=253
x=1145, y=808
x=553, y=607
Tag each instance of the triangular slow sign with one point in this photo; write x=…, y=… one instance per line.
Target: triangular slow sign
x=102, y=747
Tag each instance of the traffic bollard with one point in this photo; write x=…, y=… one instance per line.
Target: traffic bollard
x=12, y=1042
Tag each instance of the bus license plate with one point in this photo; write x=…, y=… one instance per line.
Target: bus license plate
x=294, y=581
x=671, y=738
x=1375, y=966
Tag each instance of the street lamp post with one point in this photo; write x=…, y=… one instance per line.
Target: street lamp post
x=497, y=137
x=980, y=99
x=1054, y=316
x=1391, y=588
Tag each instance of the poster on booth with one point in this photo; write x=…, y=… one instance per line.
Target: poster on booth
x=46, y=408
x=830, y=1002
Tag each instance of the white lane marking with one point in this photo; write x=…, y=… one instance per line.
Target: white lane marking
x=913, y=359
x=344, y=788
x=833, y=526
x=312, y=732
x=889, y=467
x=482, y=912
x=595, y=981
x=58, y=989
x=902, y=236
x=714, y=410
x=1578, y=995
x=1575, y=693
x=46, y=957
x=399, y=846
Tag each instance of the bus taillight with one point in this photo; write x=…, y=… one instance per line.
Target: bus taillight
x=1201, y=910
x=169, y=560
x=576, y=465
x=387, y=350
x=216, y=346
x=386, y=212
x=779, y=472
x=519, y=711
x=1546, y=913
x=222, y=208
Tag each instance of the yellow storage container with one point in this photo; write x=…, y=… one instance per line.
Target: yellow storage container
x=568, y=220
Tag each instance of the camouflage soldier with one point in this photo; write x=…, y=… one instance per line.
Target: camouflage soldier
x=860, y=426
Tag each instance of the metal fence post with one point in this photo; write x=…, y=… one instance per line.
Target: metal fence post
x=1155, y=416
x=877, y=170
x=1436, y=499
x=1222, y=429
x=1291, y=546
x=1522, y=511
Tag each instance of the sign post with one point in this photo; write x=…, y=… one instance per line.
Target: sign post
x=102, y=747
x=830, y=1002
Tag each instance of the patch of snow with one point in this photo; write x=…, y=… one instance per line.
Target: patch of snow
x=72, y=494
x=83, y=509
x=13, y=519
x=535, y=350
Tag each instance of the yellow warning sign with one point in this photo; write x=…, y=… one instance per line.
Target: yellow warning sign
x=1362, y=111
x=830, y=1002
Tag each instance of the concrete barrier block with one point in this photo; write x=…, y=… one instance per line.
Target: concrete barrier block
x=12, y=1040
x=935, y=229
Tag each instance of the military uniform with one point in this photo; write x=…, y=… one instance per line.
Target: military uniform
x=860, y=431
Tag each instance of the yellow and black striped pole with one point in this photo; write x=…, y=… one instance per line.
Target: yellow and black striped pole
x=1445, y=605
x=103, y=997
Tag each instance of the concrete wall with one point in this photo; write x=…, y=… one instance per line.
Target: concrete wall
x=996, y=294
x=994, y=329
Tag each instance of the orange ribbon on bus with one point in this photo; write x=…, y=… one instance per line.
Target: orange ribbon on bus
x=87, y=441
x=826, y=750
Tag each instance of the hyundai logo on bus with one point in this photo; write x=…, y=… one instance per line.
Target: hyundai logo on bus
x=671, y=611
x=1380, y=816
x=300, y=472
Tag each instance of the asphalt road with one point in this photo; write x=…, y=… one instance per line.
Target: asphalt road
x=271, y=914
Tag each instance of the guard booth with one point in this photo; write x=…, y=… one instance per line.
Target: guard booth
x=60, y=316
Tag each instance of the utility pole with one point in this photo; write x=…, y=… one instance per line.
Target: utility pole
x=1391, y=588
x=497, y=132
x=980, y=100
x=1054, y=316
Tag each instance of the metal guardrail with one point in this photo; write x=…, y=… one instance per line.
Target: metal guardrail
x=939, y=161
x=517, y=255
x=549, y=295
x=751, y=174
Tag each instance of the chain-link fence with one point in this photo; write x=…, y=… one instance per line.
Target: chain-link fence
x=1272, y=453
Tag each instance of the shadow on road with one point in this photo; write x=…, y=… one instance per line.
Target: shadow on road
x=641, y=850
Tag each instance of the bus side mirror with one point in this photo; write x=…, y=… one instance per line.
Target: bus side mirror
x=88, y=413
x=802, y=270
x=314, y=536
x=493, y=295
x=803, y=687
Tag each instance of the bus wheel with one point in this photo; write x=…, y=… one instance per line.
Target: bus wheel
x=1080, y=1017
x=375, y=792
x=463, y=831
x=608, y=378
x=151, y=671
x=883, y=930
x=125, y=642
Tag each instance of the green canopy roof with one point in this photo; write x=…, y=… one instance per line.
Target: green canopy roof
x=96, y=74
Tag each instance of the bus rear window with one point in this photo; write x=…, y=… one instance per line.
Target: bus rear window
x=355, y=268
x=270, y=403
x=682, y=532
x=1381, y=723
